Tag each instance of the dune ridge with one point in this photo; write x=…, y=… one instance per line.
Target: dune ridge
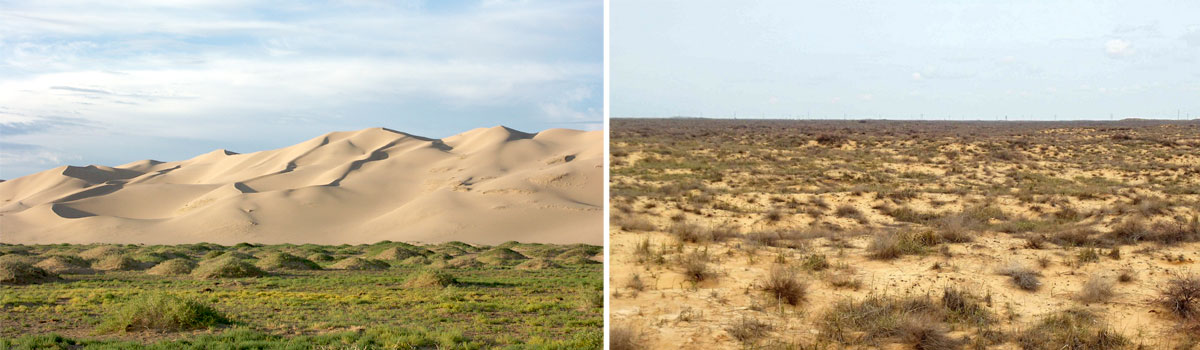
x=487, y=186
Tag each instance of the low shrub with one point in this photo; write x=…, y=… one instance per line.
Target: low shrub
x=161, y=312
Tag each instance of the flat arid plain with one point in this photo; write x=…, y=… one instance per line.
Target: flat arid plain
x=732, y=234
x=351, y=240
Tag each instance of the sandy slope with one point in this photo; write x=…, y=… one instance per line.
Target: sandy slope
x=487, y=185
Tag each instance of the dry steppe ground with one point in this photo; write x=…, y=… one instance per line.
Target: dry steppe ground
x=905, y=235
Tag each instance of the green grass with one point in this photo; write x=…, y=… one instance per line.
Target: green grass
x=488, y=307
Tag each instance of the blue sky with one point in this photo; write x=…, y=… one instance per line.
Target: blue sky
x=109, y=82
x=904, y=59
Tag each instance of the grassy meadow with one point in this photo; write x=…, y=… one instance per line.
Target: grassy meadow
x=387, y=295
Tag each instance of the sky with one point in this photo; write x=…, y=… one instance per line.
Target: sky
x=110, y=82
x=973, y=60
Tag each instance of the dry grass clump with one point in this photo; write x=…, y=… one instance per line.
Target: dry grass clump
x=695, y=267
x=1097, y=289
x=695, y=233
x=892, y=245
x=65, y=264
x=784, y=287
x=18, y=272
x=850, y=212
x=963, y=307
x=177, y=266
x=1071, y=329
x=876, y=319
x=284, y=261
x=1023, y=277
x=226, y=266
x=360, y=264
x=815, y=262
x=625, y=338
x=431, y=279
x=688, y=232
x=1087, y=255
x=1134, y=230
x=748, y=330
x=635, y=283
x=634, y=223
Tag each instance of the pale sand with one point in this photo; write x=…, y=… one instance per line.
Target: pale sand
x=486, y=186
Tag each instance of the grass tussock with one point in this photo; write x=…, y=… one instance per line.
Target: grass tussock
x=161, y=312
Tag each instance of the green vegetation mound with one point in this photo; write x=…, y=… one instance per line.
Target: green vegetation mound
x=177, y=266
x=460, y=262
x=537, y=264
x=17, y=272
x=226, y=267
x=357, y=263
x=576, y=256
x=161, y=312
x=321, y=257
x=431, y=279
x=65, y=264
x=100, y=252
x=416, y=260
x=501, y=256
x=396, y=253
x=285, y=261
x=116, y=263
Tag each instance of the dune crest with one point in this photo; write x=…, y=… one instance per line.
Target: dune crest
x=488, y=185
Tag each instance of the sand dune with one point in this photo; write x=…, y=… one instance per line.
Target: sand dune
x=487, y=185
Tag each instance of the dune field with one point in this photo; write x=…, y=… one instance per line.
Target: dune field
x=484, y=186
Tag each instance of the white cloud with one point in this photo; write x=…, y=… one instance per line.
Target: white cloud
x=916, y=76
x=1117, y=48
x=204, y=72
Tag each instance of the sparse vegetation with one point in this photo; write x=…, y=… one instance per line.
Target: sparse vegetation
x=914, y=213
